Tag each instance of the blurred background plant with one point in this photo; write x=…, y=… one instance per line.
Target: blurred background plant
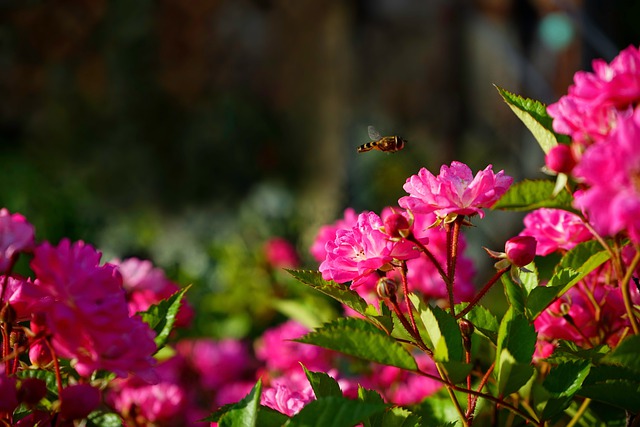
x=191, y=133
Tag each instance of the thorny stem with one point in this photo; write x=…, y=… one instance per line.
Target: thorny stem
x=393, y=302
x=431, y=257
x=5, y=348
x=482, y=292
x=452, y=395
x=489, y=397
x=405, y=291
x=56, y=365
x=452, y=259
x=626, y=292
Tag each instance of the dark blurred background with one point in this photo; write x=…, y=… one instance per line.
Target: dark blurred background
x=189, y=132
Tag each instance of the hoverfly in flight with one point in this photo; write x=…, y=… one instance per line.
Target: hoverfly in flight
x=388, y=144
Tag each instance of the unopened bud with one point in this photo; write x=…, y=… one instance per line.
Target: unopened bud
x=560, y=159
x=521, y=250
x=466, y=328
x=7, y=314
x=397, y=226
x=386, y=288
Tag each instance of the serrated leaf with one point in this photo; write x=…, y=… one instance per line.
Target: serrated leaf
x=511, y=374
x=484, y=322
x=627, y=354
x=528, y=195
x=359, y=338
x=322, y=384
x=568, y=351
x=400, y=417
x=337, y=291
x=517, y=335
x=162, y=316
x=444, y=332
x=245, y=412
x=514, y=293
x=535, y=117
x=335, y=411
x=542, y=296
x=621, y=393
x=566, y=378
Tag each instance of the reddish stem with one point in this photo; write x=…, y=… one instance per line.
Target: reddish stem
x=483, y=291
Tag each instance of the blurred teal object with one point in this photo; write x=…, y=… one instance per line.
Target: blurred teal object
x=556, y=31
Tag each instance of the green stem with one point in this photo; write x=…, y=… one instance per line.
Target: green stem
x=452, y=395
x=626, y=292
x=581, y=410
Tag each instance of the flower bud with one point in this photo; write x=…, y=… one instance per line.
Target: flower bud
x=386, y=288
x=466, y=328
x=560, y=159
x=397, y=226
x=78, y=401
x=521, y=250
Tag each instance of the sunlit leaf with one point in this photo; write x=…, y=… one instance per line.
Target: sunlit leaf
x=323, y=385
x=336, y=412
x=528, y=195
x=162, y=316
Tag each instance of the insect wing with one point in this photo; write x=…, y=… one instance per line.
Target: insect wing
x=373, y=133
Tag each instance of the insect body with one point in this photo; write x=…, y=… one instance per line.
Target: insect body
x=388, y=144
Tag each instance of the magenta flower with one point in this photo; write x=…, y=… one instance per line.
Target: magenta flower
x=586, y=314
x=611, y=169
x=403, y=388
x=357, y=254
x=146, y=285
x=285, y=400
x=216, y=362
x=587, y=112
x=454, y=191
x=280, y=253
x=25, y=297
x=281, y=354
x=78, y=401
x=87, y=315
x=16, y=235
x=327, y=233
x=555, y=229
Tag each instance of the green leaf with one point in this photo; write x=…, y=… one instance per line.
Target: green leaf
x=585, y=257
x=517, y=335
x=456, y=371
x=568, y=351
x=400, y=417
x=245, y=412
x=511, y=374
x=337, y=291
x=613, y=384
x=268, y=417
x=484, y=322
x=322, y=384
x=336, y=412
x=528, y=195
x=357, y=337
x=535, y=117
x=444, y=332
x=103, y=419
x=514, y=293
x=566, y=378
x=540, y=297
x=162, y=316
x=627, y=354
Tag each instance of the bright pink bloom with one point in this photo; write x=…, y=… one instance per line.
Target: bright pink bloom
x=520, y=250
x=327, y=233
x=25, y=297
x=284, y=400
x=281, y=354
x=587, y=112
x=561, y=159
x=403, y=388
x=159, y=402
x=78, y=401
x=357, y=254
x=454, y=191
x=146, y=285
x=216, y=362
x=88, y=316
x=16, y=235
x=280, y=253
x=598, y=323
x=8, y=394
x=555, y=229
x=612, y=170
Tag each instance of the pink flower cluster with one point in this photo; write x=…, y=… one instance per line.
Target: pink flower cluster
x=601, y=114
x=555, y=230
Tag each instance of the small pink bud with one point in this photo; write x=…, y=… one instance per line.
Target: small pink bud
x=560, y=159
x=78, y=401
x=396, y=225
x=386, y=288
x=520, y=250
